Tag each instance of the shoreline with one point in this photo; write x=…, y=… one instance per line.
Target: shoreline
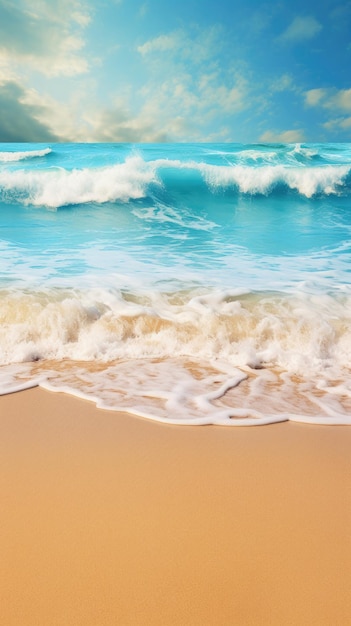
x=112, y=519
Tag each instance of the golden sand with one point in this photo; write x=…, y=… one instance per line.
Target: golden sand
x=110, y=520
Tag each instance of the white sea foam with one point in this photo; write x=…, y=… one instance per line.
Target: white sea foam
x=304, y=151
x=256, y=155
x=161, y=212
x=297, y=333
x=186, y=358
x=177, y=391
x=6, y=157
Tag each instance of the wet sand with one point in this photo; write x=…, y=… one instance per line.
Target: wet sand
x=107, y=519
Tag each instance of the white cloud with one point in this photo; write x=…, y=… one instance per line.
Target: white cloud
x=184, y=92
x=285, y=136
x=193, y=104
x=315, y=96
x=119, y=124
x=161, y=43
x=329, y=98
x=340, y=123
x=80, y=119
x=283, y=83
x=186, y=82
x=83, y=19
x=196, y=47
x=301, y=29
x=45, y=36
x=341, y=100
x=176, y=110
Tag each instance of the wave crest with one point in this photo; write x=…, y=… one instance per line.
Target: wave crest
x=265, y=180
x=7, y=157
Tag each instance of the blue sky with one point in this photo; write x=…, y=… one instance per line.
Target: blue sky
x=191, y=70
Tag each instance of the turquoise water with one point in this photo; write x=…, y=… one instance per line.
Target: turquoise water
x=219, y=272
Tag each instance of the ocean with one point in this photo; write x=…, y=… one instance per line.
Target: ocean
x=185, y=283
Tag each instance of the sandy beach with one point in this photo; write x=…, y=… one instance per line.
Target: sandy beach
x=113, y=520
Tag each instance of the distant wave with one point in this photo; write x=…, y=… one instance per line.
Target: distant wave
x=283, y=154
x=136, y=178
x=20, y=156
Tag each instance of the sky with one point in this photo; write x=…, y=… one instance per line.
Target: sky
x=186, y=71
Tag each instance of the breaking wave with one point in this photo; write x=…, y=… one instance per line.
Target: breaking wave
x=193, y=359
x=60, y=187
x=298, y=333
x=136, y=178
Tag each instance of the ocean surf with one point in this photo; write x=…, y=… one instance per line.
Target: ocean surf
x=186, y=283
